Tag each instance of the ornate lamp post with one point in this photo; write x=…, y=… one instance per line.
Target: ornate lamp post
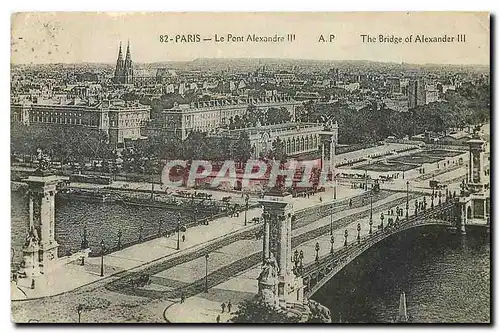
x=85, y=242
x=206, y=272
x=371, y=212
x=366, y=180
x=246, y=208
x=317, y=251
x=331, y=220
x=79, y=310
x=332, y=240
x=382, y=221
x=179, y=231
x=345, y=237
x=432, y=198
x=102, y=257
x=407, y=198
x=359, y=230
x=119, y=239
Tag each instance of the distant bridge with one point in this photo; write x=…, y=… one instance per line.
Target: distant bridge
x=319, y=272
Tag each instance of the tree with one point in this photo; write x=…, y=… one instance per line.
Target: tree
x=278, y=150
x=243, y=148
x=257, y=311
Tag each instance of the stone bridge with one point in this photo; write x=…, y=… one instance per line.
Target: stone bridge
x=319, y=272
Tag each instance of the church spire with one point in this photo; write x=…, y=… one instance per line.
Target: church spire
x=120, y=55
x=128, y=56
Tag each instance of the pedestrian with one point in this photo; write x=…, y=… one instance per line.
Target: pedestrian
x=229, y=307
x=223, y=307
x=320, y=199
x=183, y=238
x=218, y=318
x=182, y=298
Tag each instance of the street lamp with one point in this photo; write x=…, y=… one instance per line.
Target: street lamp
x=366, y=180
x=85, y=243
x=317, y=251
x=102, y=257
x=371, y=211
x=246, y=208
x=206, y=273
x=432, y=198
x=119, y=239
x=359, y=230
x=407, y=197
x=345, y=236
x=334, y=185
x=79, y=310
x=332, y=240
x=179, y=231
x=331, y=220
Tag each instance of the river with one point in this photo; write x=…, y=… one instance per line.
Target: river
x=446, y=278
x=103, y=221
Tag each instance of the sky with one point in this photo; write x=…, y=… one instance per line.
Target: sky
x=77, y=37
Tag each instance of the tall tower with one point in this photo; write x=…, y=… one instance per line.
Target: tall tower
x=119, y=66
x=476, y=175
x=40, y=250
x=278, y=284
x=124, y=72
x=474, y=202
x=128, y=72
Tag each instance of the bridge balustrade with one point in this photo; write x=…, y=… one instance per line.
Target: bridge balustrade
x=338, y=259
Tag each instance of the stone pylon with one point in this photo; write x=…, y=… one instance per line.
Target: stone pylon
x=278, y=284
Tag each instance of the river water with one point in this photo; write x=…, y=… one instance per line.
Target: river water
x=103, y=221
x=446, y=276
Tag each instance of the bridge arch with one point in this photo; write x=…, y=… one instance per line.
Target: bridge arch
x=341, y=258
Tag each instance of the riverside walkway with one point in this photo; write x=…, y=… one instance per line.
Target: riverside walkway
x=140, y=256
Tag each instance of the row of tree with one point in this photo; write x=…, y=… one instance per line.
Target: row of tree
x=468, y=105
x=255, y=116
x=64, y=144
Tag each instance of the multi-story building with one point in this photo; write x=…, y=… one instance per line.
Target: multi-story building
x=208, y=116
x=297, y=138
x=431, y=94
x=121, y=121
x=416, y=93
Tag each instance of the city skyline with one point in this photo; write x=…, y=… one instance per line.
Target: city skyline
x=50, y=38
